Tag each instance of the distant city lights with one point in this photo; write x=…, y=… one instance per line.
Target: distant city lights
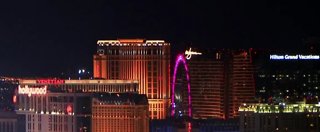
x=83, y=71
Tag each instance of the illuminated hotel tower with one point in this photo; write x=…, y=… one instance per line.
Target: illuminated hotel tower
x=207, y=86
x=147, y=61
x=220, y=81
x=240, y=81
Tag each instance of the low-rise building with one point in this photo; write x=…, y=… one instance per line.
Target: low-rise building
x=281, y=117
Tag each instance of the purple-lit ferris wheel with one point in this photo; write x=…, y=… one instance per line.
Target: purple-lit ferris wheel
x=180, y=60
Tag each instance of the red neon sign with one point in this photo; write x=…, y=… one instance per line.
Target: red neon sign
x=50, y=81
x=69, y=109
x=14, y=99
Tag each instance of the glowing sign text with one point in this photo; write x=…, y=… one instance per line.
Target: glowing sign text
x=294, y=57
x=189, y=53
x=50, y=81
x=32, y=90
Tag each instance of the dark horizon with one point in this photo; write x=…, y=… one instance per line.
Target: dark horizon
x=46, y=38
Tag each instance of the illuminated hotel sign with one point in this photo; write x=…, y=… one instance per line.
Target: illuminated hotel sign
x=294, y=57
x=50, y=81
x=32, y=90
x=189, y=53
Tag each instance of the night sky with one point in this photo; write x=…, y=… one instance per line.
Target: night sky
x=46, y=38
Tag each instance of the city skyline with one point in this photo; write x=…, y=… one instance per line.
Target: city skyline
x=37, y=33
x=145, y=65
x=159, y=66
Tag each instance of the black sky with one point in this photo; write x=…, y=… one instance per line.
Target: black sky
x=45, y=38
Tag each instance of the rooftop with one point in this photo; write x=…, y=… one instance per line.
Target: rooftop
x=120, y=99
x=131, y=42
x=8, y=115
x=280, y=108
x=59, y=81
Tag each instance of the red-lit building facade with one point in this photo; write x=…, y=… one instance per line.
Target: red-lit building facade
x=120, y=113
x=82, y=105
x=207, y=87
x=147, y=61
x=220, y=81
x=241, y=87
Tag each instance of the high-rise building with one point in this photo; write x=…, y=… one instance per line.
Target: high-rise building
x=287, y=75
x=147, y=61
x=220, y=81
x=207, y=86
x=240, y=82
x=71, y=105
x=280, y=117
